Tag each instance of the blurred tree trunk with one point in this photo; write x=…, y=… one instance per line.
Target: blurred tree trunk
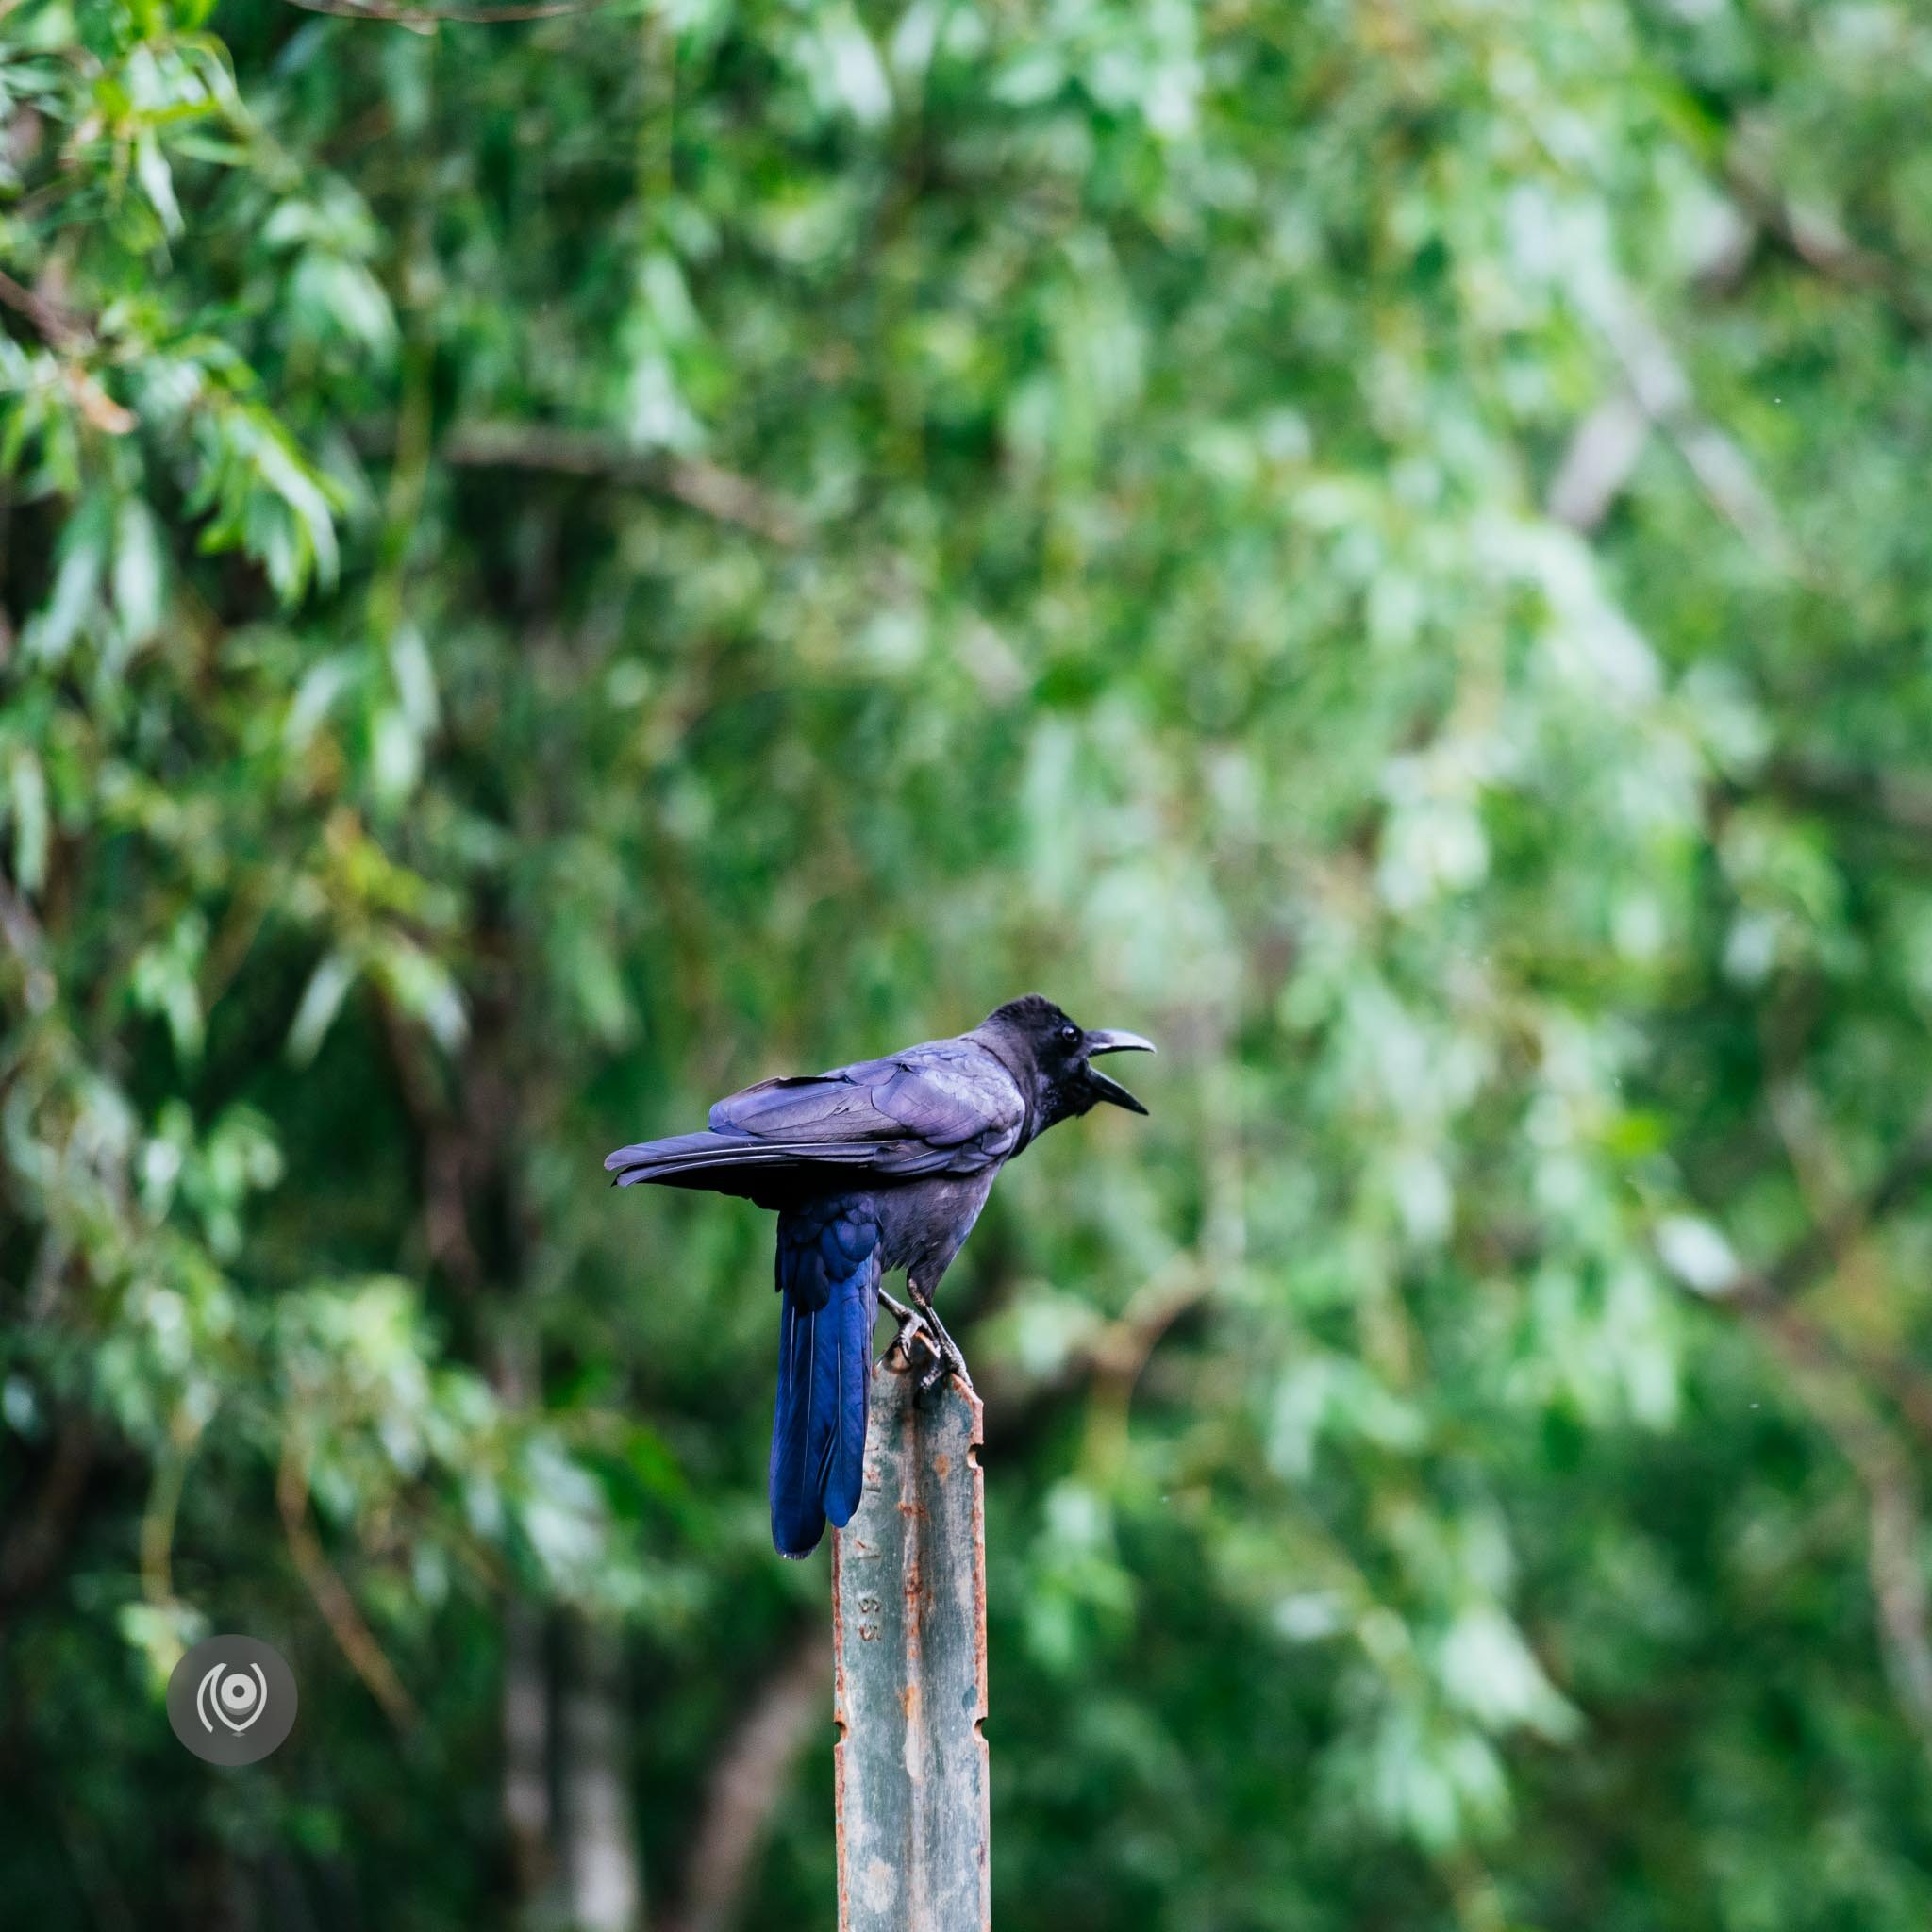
x=526, y=1746
x=749, y=1782
x=481, y=1231
x=526, y=1809
x=602, y=1880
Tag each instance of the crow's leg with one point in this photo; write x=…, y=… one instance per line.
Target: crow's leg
x=946, y=1356
x=913, y=1327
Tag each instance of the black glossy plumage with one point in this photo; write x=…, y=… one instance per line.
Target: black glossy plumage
x=881, y=1165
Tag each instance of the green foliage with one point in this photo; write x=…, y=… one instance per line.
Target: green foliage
x=555, y=568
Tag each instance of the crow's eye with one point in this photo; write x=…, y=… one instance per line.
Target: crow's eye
x=1070, y=1033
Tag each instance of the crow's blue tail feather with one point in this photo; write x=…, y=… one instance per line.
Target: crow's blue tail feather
x=829, y=1279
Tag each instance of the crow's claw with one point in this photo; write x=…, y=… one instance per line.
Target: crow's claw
x=913, y=1328
x=947, y=1357
x=919, y=1326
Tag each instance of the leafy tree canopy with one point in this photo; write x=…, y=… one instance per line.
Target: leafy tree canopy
x=553, y=567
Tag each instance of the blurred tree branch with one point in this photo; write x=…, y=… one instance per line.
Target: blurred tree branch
x=1833, y=1393
x=1829, y=1378
x=1902, y=805
x=1607, y=446
x=57, y=325
x=1825, y=1245
x=1766, y=1295
x=1813, y=238
x=1108, y=1362
x=698, y=485
x=455, y=16
x=352, y=1634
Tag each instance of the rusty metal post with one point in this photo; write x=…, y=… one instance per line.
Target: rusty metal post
x=909, y=1631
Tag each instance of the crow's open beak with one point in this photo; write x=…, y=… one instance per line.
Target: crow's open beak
x=1103, y=1088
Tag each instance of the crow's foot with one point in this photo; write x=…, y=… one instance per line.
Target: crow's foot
x=947, y=1357
x=920, y=1327
x=913, y=1330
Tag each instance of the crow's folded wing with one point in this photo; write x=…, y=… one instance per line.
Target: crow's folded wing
x=944, y=1107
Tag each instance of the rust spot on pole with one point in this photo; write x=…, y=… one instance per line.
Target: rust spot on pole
x=909, y=1629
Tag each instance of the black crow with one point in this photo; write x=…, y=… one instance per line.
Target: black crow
x=881, y=1165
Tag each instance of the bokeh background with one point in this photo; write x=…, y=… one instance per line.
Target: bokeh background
x=556, y=566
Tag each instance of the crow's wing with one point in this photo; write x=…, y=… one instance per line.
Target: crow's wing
x=946, y=1107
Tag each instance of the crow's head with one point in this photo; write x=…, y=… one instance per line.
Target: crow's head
x=1041, y=1038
